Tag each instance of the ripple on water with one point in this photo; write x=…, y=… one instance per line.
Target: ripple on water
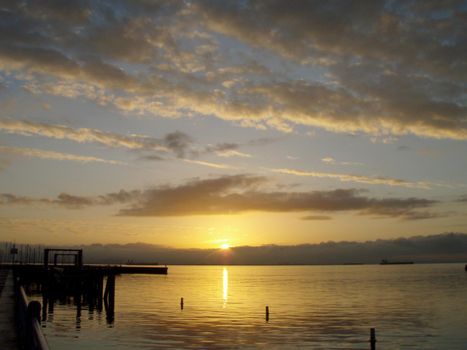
x=321, y=307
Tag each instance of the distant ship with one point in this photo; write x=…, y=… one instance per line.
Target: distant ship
x=387, y=262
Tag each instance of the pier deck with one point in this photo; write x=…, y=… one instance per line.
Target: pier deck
x=8, y=336
x=128, y=269
x=104, y=269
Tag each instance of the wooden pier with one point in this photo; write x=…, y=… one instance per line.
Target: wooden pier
x=97, y=268
x=87, y=284
x=8, y=336
x=61, y=275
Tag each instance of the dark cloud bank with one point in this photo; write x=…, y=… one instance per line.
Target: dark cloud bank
x=448, y=247
x=236, y=194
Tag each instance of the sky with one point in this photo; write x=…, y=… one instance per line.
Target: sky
x=197, y=124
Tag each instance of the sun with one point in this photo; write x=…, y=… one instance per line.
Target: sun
x=225, y=246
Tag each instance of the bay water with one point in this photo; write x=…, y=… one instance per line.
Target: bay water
x=421, y=306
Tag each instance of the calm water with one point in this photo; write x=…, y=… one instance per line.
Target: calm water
x=315, y=307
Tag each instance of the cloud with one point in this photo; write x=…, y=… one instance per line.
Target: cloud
x=381, y=68
x=209, y=164
x=239, y=194
x=394, y=60
x=316, y=217
x=227, y=150
x=357, y=178
x=448, y=247
x=71, y=201
x=422, y=215
x=236, y=194
x=332, y=161
x=84, y=135
x=233, y=153
x=328, y=160
x=292, y=157
x=43, y=154
x=177, y=143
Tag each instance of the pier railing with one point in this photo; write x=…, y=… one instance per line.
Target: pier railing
x=29, y=324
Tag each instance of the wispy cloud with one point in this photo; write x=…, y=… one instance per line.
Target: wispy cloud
x=44, y=154
x=292, y=157
x=209, y=164
x=233, y=153
x=227, y=150
x=328, y=160
x=176, y=143
x=71, y=201
x=357, y=178
x=86, y=135
x=332, y=161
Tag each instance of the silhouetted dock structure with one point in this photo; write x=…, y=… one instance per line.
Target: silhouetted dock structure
x=8, y=337
x=62, y=275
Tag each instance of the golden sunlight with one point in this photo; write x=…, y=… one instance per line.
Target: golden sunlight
x=225, y=246
x=225, y=285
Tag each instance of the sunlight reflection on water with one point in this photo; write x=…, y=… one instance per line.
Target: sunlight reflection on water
x=225, y=286
x=320, y=307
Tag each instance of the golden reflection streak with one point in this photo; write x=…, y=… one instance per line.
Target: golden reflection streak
x=225, y=285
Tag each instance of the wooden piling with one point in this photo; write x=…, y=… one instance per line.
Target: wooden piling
x=44, y=308
x=373, y=338
x=50, y=309
x=100, y=289
x=111, y=280
x=181, y=303
x=109, y=297
x=267, y=313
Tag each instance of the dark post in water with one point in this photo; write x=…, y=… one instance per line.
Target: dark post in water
x=267, y=313
x=373, y=338
x=109, y=297
x=100, y=289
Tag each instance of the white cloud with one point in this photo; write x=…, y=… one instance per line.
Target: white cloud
x=328, y=160
x=44, y=154
x=357, y=178
x=209, y=164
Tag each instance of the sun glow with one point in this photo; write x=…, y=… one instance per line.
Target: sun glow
x=225, y=246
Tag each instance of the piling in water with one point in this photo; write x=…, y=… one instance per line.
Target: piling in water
x=373, y=338
x=181, y=303
x=267, y=313
x=100, y=289
x=109, y=297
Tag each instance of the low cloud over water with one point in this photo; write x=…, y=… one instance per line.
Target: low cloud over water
x=448, y=247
